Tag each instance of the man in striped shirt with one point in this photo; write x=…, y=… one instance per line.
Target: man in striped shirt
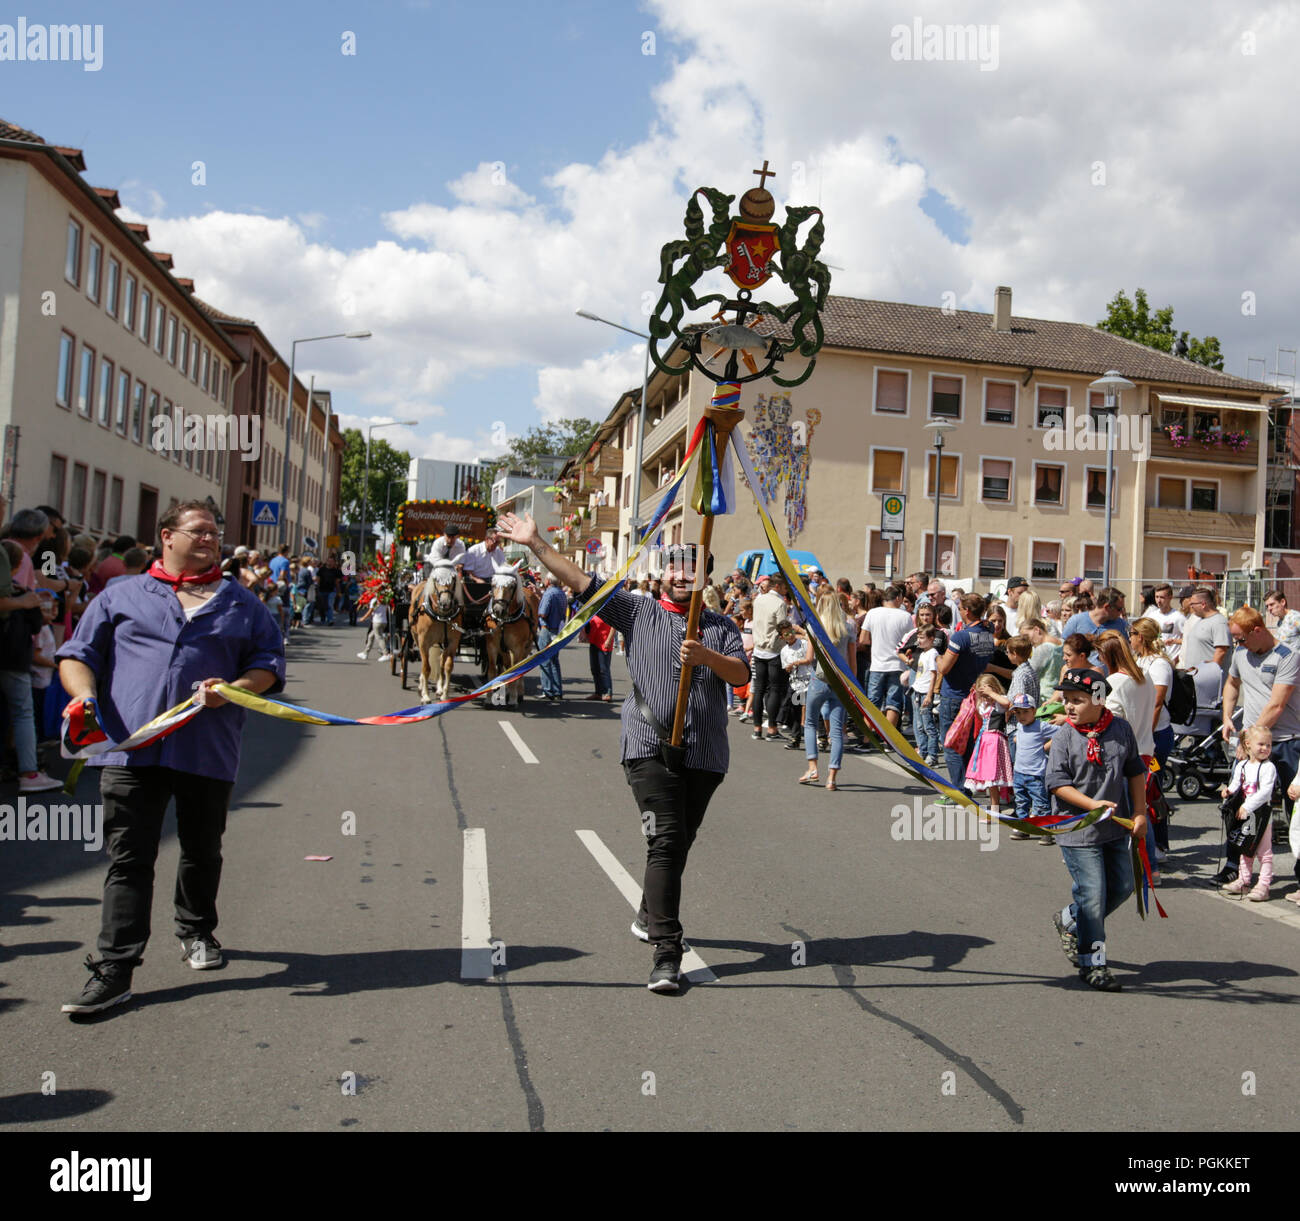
x=672, y=796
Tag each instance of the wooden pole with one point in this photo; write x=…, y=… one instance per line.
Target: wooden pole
x=724, y=420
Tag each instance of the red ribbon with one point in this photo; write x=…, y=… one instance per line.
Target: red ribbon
x=1093, y=732
x=202, y=578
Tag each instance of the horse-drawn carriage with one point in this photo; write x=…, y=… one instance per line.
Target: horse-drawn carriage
x=443, y=622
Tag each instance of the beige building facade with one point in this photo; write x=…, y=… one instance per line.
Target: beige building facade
x=1023, y=479
x=113, y=385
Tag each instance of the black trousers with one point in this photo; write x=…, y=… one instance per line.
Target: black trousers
x=672, y=807
x=770, y=685
x=135, y=800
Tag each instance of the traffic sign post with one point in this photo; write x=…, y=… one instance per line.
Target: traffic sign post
x=893, y=509
x=266, y=512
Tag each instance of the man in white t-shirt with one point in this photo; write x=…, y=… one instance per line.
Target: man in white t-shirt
x=883, y=631
x=1170, y=618
x=769, y=681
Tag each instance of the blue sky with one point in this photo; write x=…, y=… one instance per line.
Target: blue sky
x=348, y=191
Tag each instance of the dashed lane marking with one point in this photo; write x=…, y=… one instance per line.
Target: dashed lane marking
x=693, y=966
x=517, y=742
x=475, y=908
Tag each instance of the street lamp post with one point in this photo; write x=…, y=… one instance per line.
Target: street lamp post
x=388, y=491
x=640, y=428
x=1111, y=384
x=938, y=427
x=288, y=420
x=365, y=486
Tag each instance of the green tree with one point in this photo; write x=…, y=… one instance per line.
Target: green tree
x=387, y=466
x=568, y=437
x=1133, y=319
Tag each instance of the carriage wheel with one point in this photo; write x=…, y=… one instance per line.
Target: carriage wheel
x=406, y=658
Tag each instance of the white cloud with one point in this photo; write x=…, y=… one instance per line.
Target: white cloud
x=1196, y=205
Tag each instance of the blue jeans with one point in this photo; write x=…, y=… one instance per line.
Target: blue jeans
x=925, y=727
x=1103, y=880
x=552, y=682
x=949, y=707
x=1031, y=795
x=822, y=701
x=885, y=689
x=16, y=686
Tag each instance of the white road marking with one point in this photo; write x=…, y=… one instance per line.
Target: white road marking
x=694, y=967
x=517, y=742
x=475, y=909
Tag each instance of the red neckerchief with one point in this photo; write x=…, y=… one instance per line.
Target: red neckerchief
x=677, y=608
x=1093, y=732
x=202, y=578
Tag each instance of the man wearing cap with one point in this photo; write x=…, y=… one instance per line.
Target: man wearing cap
x=447, y=547
x=1015, y=587
x=1093, y=762
x=672, y=788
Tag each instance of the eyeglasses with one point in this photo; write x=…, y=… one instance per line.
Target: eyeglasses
x=218, y=535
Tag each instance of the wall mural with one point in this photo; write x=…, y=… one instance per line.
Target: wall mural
x=782, y=454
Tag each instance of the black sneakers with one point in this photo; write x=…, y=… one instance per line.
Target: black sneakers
x=109, y=984
x=668, y=967
x=1225, y=875
x=203, y=952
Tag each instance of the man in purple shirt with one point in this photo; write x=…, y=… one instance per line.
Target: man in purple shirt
x=143, y=647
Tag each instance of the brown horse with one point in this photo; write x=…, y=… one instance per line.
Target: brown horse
x=436, y=625
x=511, y=628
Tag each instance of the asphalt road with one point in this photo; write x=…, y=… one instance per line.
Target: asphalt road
x=845, y=979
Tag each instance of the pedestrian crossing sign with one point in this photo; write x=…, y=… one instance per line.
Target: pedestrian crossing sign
x=266, y=512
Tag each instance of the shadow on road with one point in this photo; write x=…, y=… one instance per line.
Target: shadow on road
x=944, y=950
x=45, y=1108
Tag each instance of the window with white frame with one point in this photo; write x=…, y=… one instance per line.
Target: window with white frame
x=1049, y=484
x=945, y=397
x=1045, y=561
x=1094, y=494
x=995, y=480
x=945, y=564
x=1049, y=407
x=999, y=403
x=1171, y=493
x=86, y=383
x=880, y=550
x=891, y=391
x=1205, y=496
x=887, y=470
x=1094, y=560
x=950, y=479
x=994, y=555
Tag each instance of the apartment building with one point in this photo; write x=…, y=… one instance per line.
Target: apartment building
x=1022, y=484
x=114, y=385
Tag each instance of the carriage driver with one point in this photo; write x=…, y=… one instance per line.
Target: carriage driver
x=477, y=566
x=446, y=548
x=672, y=792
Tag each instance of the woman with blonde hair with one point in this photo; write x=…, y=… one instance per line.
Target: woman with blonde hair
x=821, y=700
x=1029, y=607
x=1149, y=648
x=1131, y=696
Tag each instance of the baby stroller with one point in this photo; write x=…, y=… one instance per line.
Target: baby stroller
x=1198, y=764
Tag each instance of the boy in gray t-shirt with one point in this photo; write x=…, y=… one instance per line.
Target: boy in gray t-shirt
x=1094, y=761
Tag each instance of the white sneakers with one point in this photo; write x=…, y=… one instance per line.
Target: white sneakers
x=37, y=782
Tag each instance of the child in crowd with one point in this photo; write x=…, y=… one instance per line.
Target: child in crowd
x=1093, y=762
x=990, y=762
x=1034, y=739
x=377, y=613
x=271, y=599
x=1257, y=778
x=924, y=716
x=43, y=660
x=797, y=662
